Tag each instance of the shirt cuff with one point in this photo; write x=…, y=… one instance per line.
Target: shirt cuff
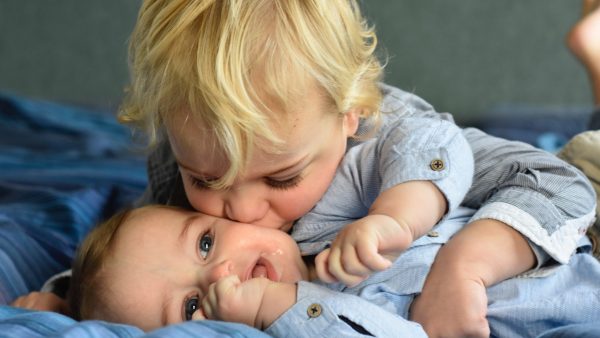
x=557, y=237
x=58, y=284
x=321, y=312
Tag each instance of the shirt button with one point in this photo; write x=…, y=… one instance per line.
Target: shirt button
x=437, y=165
x=314, y=310
x=433, y=234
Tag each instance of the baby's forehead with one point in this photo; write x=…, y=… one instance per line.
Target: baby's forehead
x=150, y=221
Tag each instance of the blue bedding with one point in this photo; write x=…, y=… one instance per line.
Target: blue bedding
x=62, y=170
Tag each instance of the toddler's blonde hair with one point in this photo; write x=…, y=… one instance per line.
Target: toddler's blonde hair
x=216, y=62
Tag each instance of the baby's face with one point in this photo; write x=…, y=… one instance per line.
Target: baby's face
x=164, y=260
x=276, y=189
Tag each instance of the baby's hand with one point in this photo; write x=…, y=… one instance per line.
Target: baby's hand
x=452, y=308
x=229, y=299
x=358, y=250
x=42, y=301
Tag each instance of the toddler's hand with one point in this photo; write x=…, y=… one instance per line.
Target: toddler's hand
x=358, y=249
x=42, y=301
x=452, y=308
x=229, y=299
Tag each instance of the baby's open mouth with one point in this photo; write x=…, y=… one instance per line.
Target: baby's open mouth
x=263, y=268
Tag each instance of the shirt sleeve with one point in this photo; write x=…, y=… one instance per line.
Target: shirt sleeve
x=550, y=202
x=321, y=312
x=408, y=149
x=544, y=198
x=427, y=149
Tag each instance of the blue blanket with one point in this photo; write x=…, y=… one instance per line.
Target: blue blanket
x=62, y=170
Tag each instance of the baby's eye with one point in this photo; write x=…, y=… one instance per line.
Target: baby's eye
x=205, y=244
x=191, y=305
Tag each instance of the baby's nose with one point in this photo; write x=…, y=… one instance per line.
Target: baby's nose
x=221, y=270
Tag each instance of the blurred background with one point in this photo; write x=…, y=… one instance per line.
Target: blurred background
x=478, y=59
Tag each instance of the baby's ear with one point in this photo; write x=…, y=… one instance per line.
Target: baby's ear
x=351, y=120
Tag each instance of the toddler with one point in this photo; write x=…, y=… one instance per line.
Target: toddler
x=253, y=104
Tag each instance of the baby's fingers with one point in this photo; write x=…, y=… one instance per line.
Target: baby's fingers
x=219, y=294
x=199, y=314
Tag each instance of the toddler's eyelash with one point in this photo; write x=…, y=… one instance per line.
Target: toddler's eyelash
x=199, y=183
x=275, y=184
x=285, y=184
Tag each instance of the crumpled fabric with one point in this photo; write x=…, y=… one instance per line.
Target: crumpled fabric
x=583, y=151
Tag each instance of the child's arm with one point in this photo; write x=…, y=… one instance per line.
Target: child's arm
x=398, y=216
x=454, y=301
x=422, y=168
x=532, y=207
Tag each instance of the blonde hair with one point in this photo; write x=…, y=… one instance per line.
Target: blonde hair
x=205, y=58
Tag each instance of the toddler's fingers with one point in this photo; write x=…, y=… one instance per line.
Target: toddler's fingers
x=369, y=256
x=352, y=263
x=322, y=267
x=336, y=269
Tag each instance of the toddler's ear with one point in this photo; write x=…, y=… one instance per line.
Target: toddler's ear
x=351, y=120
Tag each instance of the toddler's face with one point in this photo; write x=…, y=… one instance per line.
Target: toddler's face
x=164, y=260
x=276, y=189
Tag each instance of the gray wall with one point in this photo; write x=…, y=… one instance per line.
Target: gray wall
x=67, y=50
x=464, y=56
x=469, y=56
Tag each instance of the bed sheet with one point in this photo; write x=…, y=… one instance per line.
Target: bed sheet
x=63, y=169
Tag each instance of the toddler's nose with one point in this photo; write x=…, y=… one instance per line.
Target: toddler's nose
x=246, y=206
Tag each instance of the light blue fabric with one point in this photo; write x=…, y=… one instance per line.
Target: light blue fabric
x=525, y=306
x=588, y=330
x=16, y=323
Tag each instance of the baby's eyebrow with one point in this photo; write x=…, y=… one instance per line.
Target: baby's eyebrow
x=187, y=223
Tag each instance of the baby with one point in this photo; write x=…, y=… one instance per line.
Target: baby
x=159, y=265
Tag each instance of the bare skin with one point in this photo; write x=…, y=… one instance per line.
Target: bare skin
x=584, y=42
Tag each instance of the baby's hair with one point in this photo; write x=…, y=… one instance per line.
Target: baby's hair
x=86, y=287
x=204, y=59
